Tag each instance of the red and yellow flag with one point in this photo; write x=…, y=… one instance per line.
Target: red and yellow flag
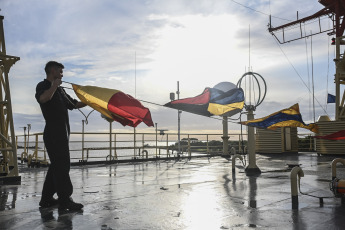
x=114, y=104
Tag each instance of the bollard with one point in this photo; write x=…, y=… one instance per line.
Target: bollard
x=234, y=159
x=296, y=171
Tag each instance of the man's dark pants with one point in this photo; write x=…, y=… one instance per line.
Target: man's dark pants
x=57, y=178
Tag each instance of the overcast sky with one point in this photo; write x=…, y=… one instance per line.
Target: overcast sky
x=144, y=47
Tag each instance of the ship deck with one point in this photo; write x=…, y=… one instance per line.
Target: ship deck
x=200, y=193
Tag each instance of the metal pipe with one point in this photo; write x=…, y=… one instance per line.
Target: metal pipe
x=296, y=171
x=334, y=166
x=234, y=161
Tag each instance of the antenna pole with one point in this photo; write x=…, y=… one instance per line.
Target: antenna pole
x=135, y=96
x=312, y=73
x=135, y=74
x=249, y=50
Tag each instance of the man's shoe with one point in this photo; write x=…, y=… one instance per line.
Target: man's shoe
x=47, y=203
x=70, y=205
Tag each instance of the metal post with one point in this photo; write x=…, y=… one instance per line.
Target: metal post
x=36, y=146
x=115, y=153
x=143, y=143
x=208, y=151
x=135, y=142
x=252, y=168
x=178, y=120
x=82, y=141
x=156, y=139
x=7, y=134
x=167, y=145
x=189, y=148
x=337, y=80
x=110, y=140
x=225, y=136
x=25, y=139
x=28, y=146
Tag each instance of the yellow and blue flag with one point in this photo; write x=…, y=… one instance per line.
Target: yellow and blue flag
x=290, y=117
x=212, y=101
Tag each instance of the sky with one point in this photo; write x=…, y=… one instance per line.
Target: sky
x=144, y=48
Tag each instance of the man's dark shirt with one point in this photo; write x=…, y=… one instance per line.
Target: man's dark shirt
x=55, y=110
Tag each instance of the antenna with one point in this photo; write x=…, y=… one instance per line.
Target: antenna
x=249, y=50
x=135, y=74
x=312, y=73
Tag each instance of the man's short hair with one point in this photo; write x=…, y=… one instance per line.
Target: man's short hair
x=52, y=64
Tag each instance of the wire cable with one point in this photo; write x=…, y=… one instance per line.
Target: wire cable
x=258, y=11
x=293, y=67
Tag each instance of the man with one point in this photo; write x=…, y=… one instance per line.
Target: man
x=54, y=102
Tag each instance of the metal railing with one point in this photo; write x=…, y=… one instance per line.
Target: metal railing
x=98, y=147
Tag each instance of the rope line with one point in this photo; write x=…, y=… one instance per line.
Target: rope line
x=75, y=107
x=153, y=103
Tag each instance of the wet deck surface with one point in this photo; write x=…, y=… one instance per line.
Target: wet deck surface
x=200, y=193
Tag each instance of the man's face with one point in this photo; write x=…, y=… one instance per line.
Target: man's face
x=57, y=72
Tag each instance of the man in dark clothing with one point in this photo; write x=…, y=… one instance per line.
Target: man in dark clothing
x=54, y=102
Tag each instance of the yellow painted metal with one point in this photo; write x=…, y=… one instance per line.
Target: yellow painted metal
x=339, y=80
x=8, y=148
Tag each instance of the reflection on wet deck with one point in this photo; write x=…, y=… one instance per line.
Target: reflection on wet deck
x=200, y=193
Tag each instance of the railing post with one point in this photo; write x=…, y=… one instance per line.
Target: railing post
x=207, y=149
x=115, y=152
x=44, y=152
x=239, y=144
x=156, y=139
x=36, y=145
x=168, y=145
x=135, y=142
x=82, y=141
x=110, y=140
x=143, y=143
x=189, y=148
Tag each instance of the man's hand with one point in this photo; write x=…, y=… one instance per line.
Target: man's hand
x=48, y=94
x=56, y=83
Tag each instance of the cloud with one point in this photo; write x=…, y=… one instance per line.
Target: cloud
x=144, y=47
